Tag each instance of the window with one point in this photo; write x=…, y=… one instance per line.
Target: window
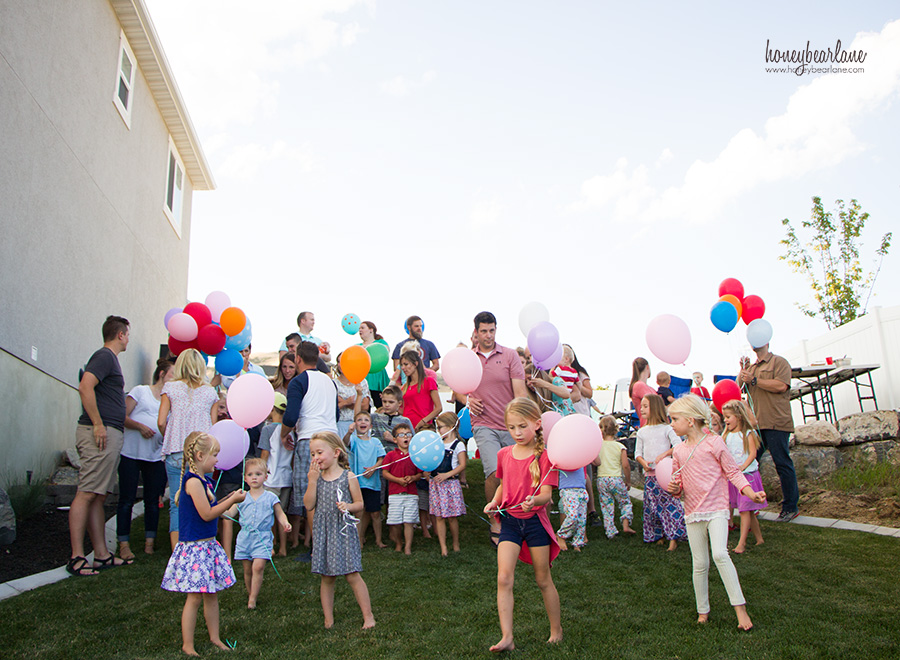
x=174, y=189
x=122, y=98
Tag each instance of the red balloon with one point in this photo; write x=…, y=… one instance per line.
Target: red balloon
x=754, y=308
x=177, y=346
x=211, y=339
x=725, y=390
x=729, y=286
x=199, y=312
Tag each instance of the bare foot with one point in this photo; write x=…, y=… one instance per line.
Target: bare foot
x=398, y=548
x=222, y=645
x=555, y=639
x=381, y=545
x=739, y=549
x=251, y=605
x=744, y=622
x=295, y=545
x=329, y=624
x=456, y=547
x=189, y=650
x=368, y=623
x=760, y=542
x=626, y=529
x=282, y=552
x=576, y=548
x=443, y=552
x=503, y=645
x=407, y=552
x=562, y=543
x=703, y=618
x=673, y=545
x=660, y=542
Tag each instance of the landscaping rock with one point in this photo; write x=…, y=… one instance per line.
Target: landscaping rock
x=869, y=426
x=872, y=453
x=817, y=434
x=812, y=465
x=73, y=458
x=7, y=519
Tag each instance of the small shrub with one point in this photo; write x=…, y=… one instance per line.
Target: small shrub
x=880, y=478
x=27, y=499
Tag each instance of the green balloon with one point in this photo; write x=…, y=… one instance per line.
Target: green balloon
x=380, y=356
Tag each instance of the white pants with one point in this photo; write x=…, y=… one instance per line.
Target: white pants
x=717, y=531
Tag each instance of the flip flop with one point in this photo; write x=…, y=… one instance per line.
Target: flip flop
x=79, y=567
x=110, y=562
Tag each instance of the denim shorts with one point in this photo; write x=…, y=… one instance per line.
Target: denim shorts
x=371, y=500
x=519, y=530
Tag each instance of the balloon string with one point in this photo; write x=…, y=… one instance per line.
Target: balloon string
x=409, y=455
x=536, y=491
x=253, y=529
x=350, y=521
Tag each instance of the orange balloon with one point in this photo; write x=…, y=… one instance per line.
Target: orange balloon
x=355, y=363
x=734, y=301
x=232, y=321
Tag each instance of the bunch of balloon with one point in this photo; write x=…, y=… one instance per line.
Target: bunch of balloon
x=734, y=305
x=543, y=337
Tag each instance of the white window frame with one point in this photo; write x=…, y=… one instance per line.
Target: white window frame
x=125, y=109
x=174, y=168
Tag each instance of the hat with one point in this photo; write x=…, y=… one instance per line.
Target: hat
x=280, y=402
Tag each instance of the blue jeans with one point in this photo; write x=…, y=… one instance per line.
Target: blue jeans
x=777, y=444
x=173, y=471
x=153, y=474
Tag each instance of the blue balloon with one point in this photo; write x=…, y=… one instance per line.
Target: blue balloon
x=241, y=340
x=465, y=424
x=350, y=323
x=229, y=362
x=724, y=316
x=426, y=450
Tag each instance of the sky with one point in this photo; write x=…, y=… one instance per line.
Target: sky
x=613, y=161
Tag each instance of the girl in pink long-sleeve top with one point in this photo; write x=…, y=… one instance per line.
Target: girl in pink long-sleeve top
x=702, y=466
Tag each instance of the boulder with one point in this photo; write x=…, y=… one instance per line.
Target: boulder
x=869, y=426
x=7, y=519
x=811, y=464
x=817, y=434
x=73, y=458
x=872, y=453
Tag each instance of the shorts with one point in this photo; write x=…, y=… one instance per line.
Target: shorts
x=403, y=508
x=489, y=442
x=527, y=530
x=371, y=500
x=424, y=497
x=283, y=494
x=99, y=469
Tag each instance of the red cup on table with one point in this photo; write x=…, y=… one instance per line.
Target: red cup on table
x=829, y=360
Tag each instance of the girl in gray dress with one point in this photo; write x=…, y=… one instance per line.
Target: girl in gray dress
x=333, y=493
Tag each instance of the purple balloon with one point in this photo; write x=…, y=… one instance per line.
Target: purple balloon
x=543, y=340
x=551, y=361
x=234, y=442
x=172, y=312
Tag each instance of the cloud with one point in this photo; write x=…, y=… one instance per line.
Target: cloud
x=400, y=86
x=486, y=213
x=814, y=132
x=245, y=161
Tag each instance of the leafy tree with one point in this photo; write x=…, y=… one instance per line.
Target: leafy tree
x=831, y=263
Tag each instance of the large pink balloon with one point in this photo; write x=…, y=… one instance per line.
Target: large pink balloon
x=574, y=442
x=233, y=443
x=548, y=421
x=543, y=339
x=217, y=302
x=664, y=472
x=250, y=399
x=669, y=338
x=183, y=327
x=462, y=370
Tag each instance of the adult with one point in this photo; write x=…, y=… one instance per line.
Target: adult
x=768, y=383
x=368, y=333
x=638, y=389
x=287, y=369
x=292, y=341
x=306, y=321
x=502, y=380
x=431, y=358
x=312, y=407
x=98, y=439
x=142, y=458
x=421, y=401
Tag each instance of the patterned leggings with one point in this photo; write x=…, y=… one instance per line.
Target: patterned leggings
x=663, y=514
x=611, y=491
x=573, y=504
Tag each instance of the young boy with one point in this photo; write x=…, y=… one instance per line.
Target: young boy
x=698, y=388
x=664, y=380
x=366, y=457
x=278, y=463
x=403, y=499
x=386, y=418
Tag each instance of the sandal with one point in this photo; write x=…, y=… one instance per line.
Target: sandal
x=79, y=567
x=110, y=562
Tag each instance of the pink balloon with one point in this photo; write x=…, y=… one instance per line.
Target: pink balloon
x=250, y=399
x=574, y=442
x=664, y=472
x=543, y=339
x=669, y=338
x=548, y=421
x=551, y=361
x=233, y=443
x=182, y=327
x=217, y=302
x=462, y=370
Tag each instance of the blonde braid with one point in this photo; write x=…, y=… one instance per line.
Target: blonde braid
x=535, y=467
x=190, y=449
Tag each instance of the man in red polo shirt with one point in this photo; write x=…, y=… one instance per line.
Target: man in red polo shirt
x=503, y=380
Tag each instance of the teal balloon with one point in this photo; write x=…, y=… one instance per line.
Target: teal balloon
x=350, y=323
x=380, y=356
x=229, y=362
x=241, y=340
x=724, y=316
x=426, y=450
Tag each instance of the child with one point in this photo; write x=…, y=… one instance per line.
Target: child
x=258, y=513
x=333, y=494
x=663, y=514
x=278, y=464
x=743, y=444
x=403, y=498
x=715, y=421
x=526, y=486
x=698, y=388
x=198, y=565
x=366, y=457
x=573, y=501
x=384, y=420
x=445, y=496
x=564, y=370
x=663, y=380
x=613, y=477
x=701, y=465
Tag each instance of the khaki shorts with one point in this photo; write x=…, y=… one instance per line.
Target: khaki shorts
x=98, y=473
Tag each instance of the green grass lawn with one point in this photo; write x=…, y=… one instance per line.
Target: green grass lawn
x=812, y=593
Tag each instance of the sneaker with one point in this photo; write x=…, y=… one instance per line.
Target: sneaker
x=787, y=516
x=594, y=520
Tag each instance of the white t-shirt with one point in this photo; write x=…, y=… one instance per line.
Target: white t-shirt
x=460, y=449
x=735, y=443
x=146, y=411
x=653, y=441
x=279, y=460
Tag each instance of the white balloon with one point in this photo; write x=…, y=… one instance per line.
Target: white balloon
x=532, y=314
x=759, y=333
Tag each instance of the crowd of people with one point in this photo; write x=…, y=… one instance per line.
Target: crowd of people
x=333, y=460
